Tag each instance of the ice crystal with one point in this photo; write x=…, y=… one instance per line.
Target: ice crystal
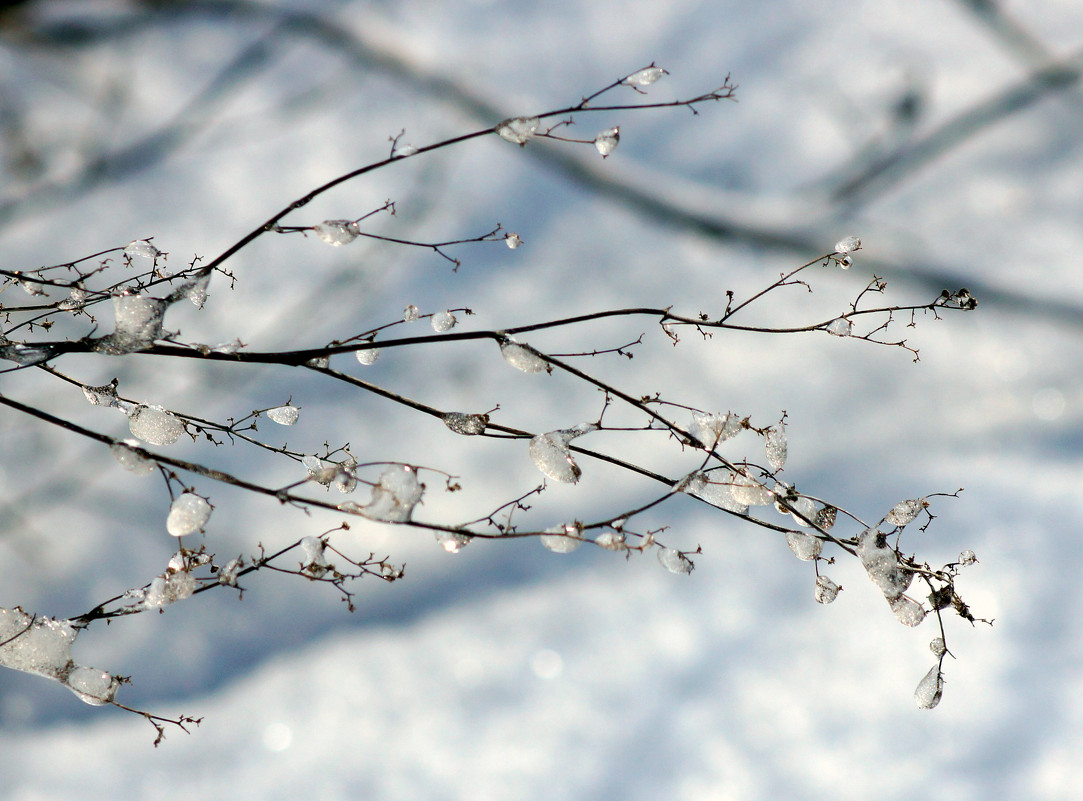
x=749, y=491
x=711, y=429
x=321, y=472
x=826, y=590
x=522, y=359
x=466, y=424
x=907, y=610
x=774, y=444
x=840, y=327
x=130, y=459
x=284, y=415
x=674, y=561
x=336, y=232
x=187, y=515
x=411, y=314
x=930, y=689
x=443, y=321
x=562, y=539
x=142, y=248
x=718, y=494
x=513, y=240
x=904, y=512
x=137, y=323
x=645, y=77
x=105, y=395
x=847, y=245
x=368, y=356
x=551, y=454
x=395, y=496
x=26, y=355
x=453, y=541
x=154, y=424
x=518, y=130
x=805, y=547
x=804, y=510
x=168, y=588
x=75, y=300
x=606, y=141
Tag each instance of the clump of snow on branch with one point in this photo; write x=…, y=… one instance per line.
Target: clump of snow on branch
x=284, y=415
x=521, y=358
x=336, y=232
x=551, y=455
x=563, y=538
x=154, y=424
x=42, y=646
x=187, y=515
x=518, y=130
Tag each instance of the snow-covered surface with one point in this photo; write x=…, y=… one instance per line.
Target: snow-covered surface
x=508, y=671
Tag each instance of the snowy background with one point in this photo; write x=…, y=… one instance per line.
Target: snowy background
x=507, y=671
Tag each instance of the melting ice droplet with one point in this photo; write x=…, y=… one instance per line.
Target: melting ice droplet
x=187, y=515
x=674, y=561
x=775, y=446
x=336, y=232
x=606, y=141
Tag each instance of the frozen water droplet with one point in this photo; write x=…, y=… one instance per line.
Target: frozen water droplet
x=674, y=561
x=38, y=645
x=466, y=424
x=775, y=446
x=804, y=546
x=904, y=512
x=187, y=515
x=518, y=130
x=154, y=424
x=141, y=248
x=562, y=539
x=345, y=476
x=411, y=313
x=169, y=588
x=404, y=151
x=102, y=396
x=882, y=564
x=75, y=301
x=611, y=541
x=716, y=493
x=319, y=362
x=967, y=558
x=336, y=232
x=711, y=429
x=645, y=77
x=368, y=356
x=284, y=415
x=825, y=518
x=513, y=240
x=92, y=686
x=130, y=459
x=196, y=290
x=804, y=509
x=323, y=473
x=936, y=645
x=551, y=455
x=26, y=355
x=395, y=496
x=826, y=590
x=453, y=541
x=848, y=245
x=443, y=321
x=908, y=611
x=749, y=491
x=606, y=141
x=228, y=573
x=312, y=560
x=840, y=327
x=522, y=359
x=137, y=324
x=31, y=287
x=930, y=689
x=846, y=262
